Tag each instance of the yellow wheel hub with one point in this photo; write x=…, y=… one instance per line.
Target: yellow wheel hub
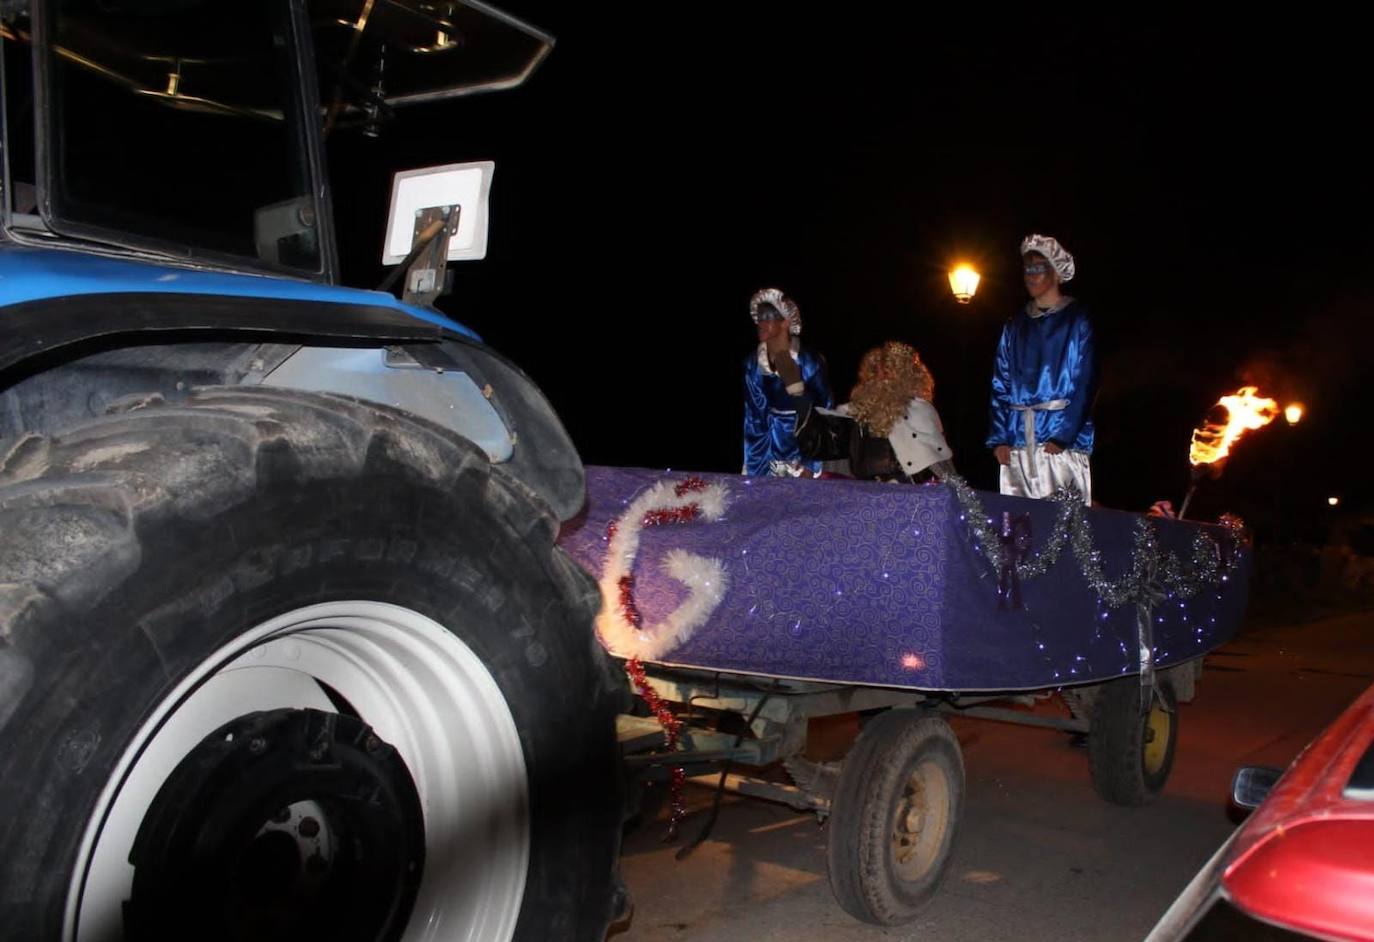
x=1157, y=728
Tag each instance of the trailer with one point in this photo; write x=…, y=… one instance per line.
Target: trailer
x=744, y=608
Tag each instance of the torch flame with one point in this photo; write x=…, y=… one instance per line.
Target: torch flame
x=1245, y=410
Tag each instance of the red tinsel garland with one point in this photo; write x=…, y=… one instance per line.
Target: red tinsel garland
x=627, y=601
x=662, y=712
x=676, y=515
x=683, y=514
x=670, y=723
x=690, y=485
x=627, y=582
x=653, y=518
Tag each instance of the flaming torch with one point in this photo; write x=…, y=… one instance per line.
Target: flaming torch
x=1244, y=410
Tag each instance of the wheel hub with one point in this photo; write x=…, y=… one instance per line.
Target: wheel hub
x=920, y=820
x=281, y=824
x=1155, y=739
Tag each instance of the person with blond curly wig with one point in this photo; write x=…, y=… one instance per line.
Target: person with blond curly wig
x=889, y=430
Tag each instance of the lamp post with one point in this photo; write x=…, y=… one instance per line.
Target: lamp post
x=1292, y=414
x=963, y=281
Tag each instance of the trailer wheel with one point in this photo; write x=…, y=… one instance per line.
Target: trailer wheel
x=1131, y=751
x=895, y=813
x=286, y=666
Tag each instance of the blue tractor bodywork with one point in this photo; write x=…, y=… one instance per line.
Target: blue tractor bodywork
x=34, y=275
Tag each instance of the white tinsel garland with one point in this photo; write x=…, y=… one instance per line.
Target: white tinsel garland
x=704, y=577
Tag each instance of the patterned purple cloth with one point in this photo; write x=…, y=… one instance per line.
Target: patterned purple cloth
x=880, y=584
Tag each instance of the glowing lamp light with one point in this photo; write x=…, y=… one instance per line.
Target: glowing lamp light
x=963, y=281
x=1293, y=413
x=1333, y=501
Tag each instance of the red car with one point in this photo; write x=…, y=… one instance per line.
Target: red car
x=1302, y=866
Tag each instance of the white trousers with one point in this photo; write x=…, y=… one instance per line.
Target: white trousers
x=1037, y=474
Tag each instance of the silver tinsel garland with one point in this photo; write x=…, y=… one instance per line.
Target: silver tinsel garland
x=1151, y=569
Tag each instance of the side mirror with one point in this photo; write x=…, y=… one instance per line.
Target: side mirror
x=1252, y=785
x=466, y=187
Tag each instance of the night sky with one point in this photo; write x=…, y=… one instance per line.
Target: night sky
x=1211, y=180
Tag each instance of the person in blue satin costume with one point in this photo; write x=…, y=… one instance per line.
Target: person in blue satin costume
x=1044, y=382
x=770, y=447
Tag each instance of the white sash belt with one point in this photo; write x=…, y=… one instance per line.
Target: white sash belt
x=1054, y=405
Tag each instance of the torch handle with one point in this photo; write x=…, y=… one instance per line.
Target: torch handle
x=1192, y=489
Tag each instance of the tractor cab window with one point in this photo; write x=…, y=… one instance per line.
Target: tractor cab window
x=21, y=197
x=176, y=125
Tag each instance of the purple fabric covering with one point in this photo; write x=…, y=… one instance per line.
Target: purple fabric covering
x=879, y=584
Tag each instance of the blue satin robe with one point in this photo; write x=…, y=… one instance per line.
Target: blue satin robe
x=770, y=420
x=1041, y=359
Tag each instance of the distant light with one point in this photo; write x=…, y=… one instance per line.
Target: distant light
x=963, y=281
x=1293, y=413
x=1333, y=501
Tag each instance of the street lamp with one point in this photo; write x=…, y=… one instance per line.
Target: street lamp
x=963, y=281
x=1293, y=413
x=1333, y=501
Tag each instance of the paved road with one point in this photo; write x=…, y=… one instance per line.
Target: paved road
x=1038, y=855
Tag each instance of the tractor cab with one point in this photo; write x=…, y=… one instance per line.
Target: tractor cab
x=192, y=131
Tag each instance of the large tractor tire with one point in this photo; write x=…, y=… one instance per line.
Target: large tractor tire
x=284, y=666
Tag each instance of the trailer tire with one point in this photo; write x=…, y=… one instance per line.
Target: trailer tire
x=1131, y=752
x=282, y=621
x=894, y=817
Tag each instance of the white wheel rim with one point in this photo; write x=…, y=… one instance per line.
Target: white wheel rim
x=418, y=686
x=920, y=820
